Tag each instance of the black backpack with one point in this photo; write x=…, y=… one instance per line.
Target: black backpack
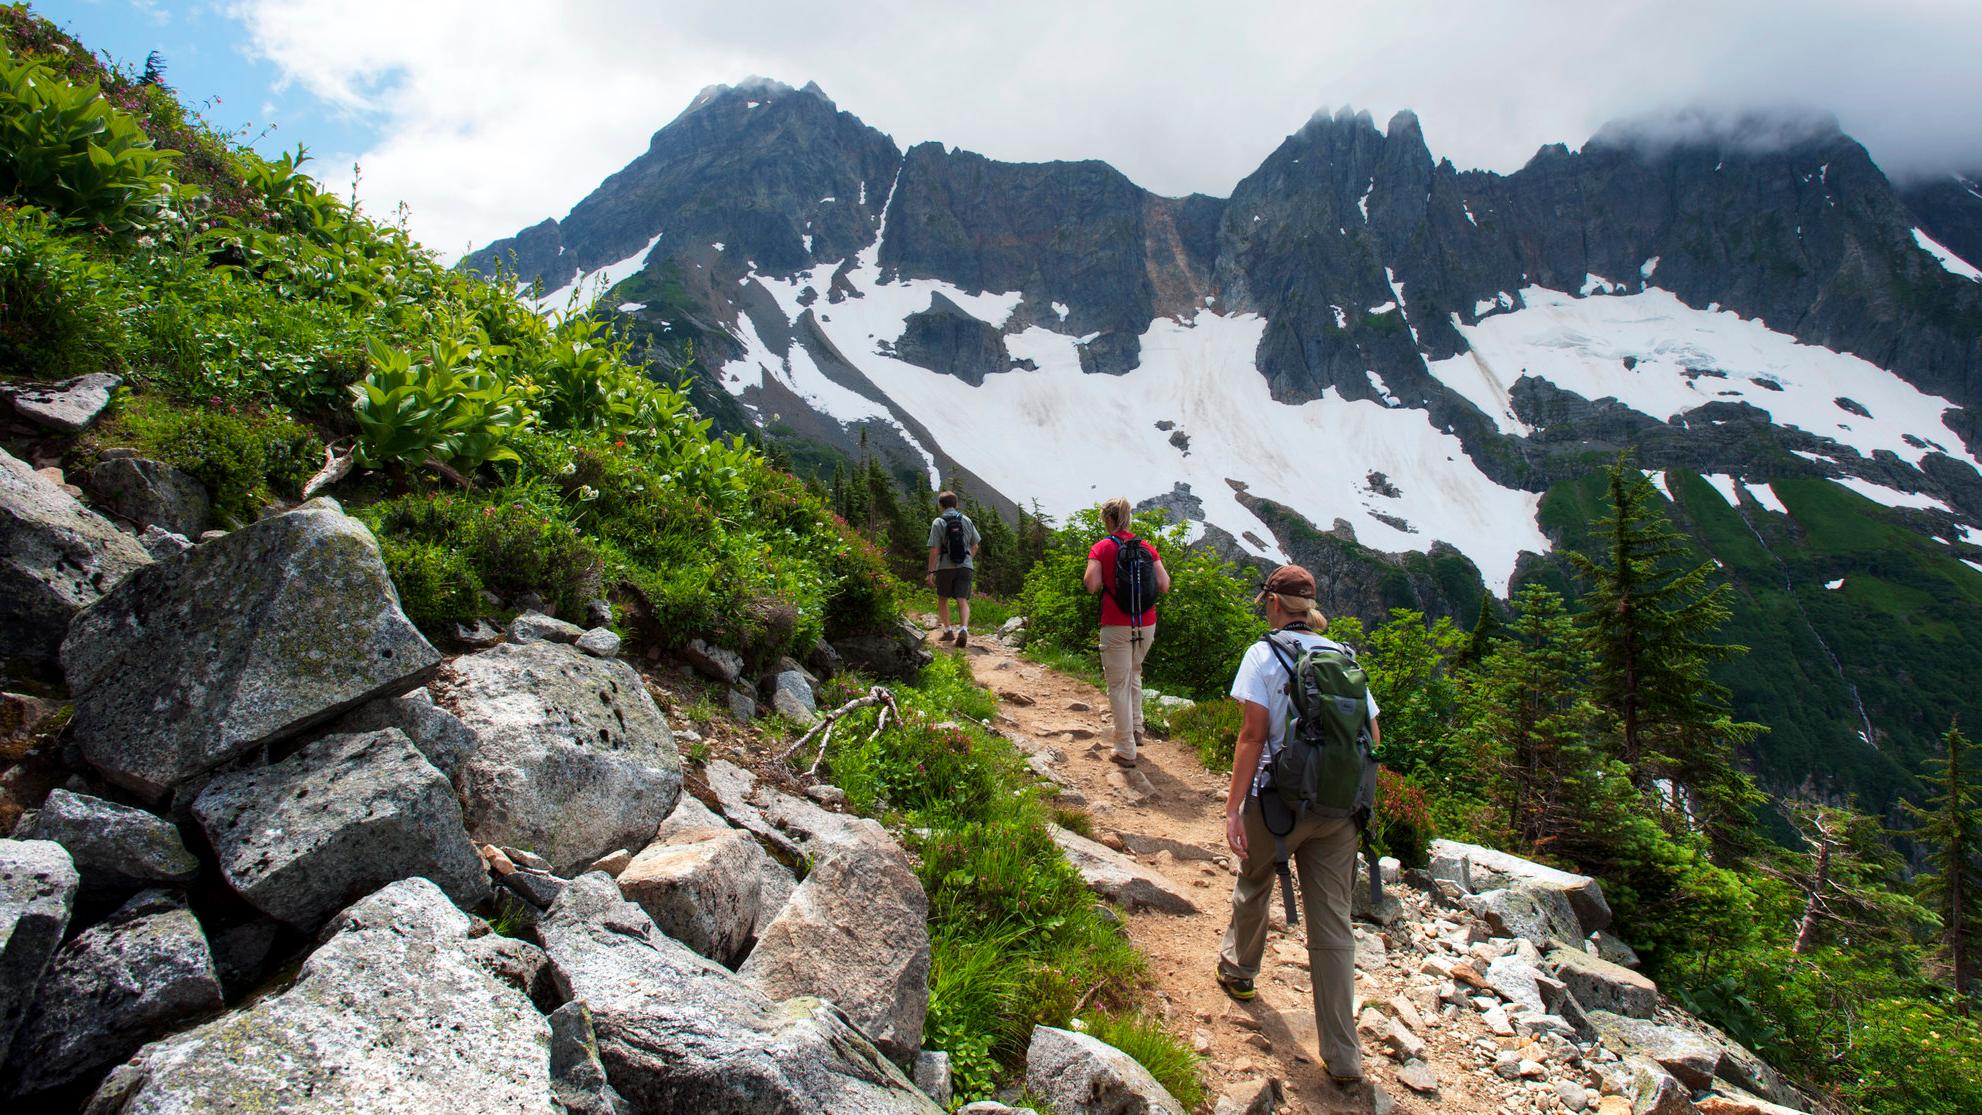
x=953, y=543
x=1135, y=577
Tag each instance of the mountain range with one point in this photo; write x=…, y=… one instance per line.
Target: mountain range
x=1402, y=374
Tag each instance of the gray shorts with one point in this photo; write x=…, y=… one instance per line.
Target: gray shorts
x=954, y=584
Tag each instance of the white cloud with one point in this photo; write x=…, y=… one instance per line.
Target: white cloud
x=494, y=114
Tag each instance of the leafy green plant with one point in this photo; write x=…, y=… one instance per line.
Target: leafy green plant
x=451, y=407
x=64, y=148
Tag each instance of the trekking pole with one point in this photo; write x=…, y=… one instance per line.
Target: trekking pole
x=1287, y=893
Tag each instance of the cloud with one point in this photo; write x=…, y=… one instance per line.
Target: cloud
x=492, y=115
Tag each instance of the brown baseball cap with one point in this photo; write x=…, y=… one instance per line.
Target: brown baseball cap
x=1290, y=580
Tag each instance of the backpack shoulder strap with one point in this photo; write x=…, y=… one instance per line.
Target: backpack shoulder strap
x=1288, y=655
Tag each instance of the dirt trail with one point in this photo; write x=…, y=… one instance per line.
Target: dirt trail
x=1064, y=723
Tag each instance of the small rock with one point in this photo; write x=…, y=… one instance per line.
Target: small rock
x=1079, y=706
x=1532, y=1070
x=1573, y=1096
x=497, y=859
x=536, y=627
x=1250, y=1097
x=1417, y=1076
x=535, y=887
x=932, y=1075
x=1507, y=1065
x=713, y=662
x=1077, y=1073
x=699, y=881
x=1118, y=878
x=522, y=858
x=479, y=635
x=1404, y=1044
x=1201, y=1041
x=148, y=493
x=117, y=849
x=1496, y=1021
x=600, y=642
x=162, y=544
x=832, y=797
x=69, y=406
x=612, y=863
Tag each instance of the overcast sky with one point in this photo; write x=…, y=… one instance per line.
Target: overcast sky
x=488, y=115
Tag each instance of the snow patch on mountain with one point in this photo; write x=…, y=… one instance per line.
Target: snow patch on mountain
x=1658, y=481
x=607, y=277
x=1947, y=259
x=1891, y=497
x=1765, y=495
x=1724, y=484
x=1069, y=439
x=1681, y=359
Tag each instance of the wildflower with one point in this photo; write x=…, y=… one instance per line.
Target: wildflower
x=586, y=493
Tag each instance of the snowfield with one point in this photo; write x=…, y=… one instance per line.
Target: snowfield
x=1683, y=359
x=1067, y=440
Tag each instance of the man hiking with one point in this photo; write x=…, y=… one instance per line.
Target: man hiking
x=952, y=562
x=1129, y=575
x=1264, y=831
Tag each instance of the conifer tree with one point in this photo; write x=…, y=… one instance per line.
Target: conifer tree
x=1529, y=708
x=1650, y=618
x=1847, y=879
x=1951, y=823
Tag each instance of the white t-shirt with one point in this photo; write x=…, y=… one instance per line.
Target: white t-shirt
x=1262, y=679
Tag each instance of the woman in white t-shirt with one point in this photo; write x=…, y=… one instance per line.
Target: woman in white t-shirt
x=1323, y=849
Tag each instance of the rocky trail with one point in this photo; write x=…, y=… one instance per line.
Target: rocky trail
x=1458, y=1009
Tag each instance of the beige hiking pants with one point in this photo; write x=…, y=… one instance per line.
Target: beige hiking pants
x=1121, y=663
x=1323, y=852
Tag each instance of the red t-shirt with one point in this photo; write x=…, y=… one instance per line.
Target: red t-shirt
x=1112, y=614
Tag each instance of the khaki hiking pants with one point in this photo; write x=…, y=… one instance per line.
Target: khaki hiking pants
x=1322, y=850
x=1121, y=664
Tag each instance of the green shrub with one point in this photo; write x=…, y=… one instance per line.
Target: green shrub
x=246, y=457
x=1210, y=728
x=58, y=303
x=1203, y=626
x=1914, y=1057
x=65, y=149
x=444, y=551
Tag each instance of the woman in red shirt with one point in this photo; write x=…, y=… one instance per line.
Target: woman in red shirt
x=1125, y=638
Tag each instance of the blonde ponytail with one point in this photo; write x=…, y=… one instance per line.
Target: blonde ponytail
x=1115, y=514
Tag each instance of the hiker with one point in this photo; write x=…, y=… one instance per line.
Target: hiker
x=1129, y=574
x=952, y=562
x=1320, y=841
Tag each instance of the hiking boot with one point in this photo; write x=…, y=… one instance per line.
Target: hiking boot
x=1237, y=988
x=947, y=636
x=963, y=636
x=1121, y=760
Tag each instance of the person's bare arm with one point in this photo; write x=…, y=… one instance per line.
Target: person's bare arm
x=934, y=557
x=1162, y=578
x=1091, y=580
x=1245, y=761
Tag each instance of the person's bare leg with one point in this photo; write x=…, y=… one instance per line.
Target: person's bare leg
x=943, y=616
x=963, y=613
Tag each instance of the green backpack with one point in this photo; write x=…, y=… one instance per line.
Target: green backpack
x=1326, y=765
